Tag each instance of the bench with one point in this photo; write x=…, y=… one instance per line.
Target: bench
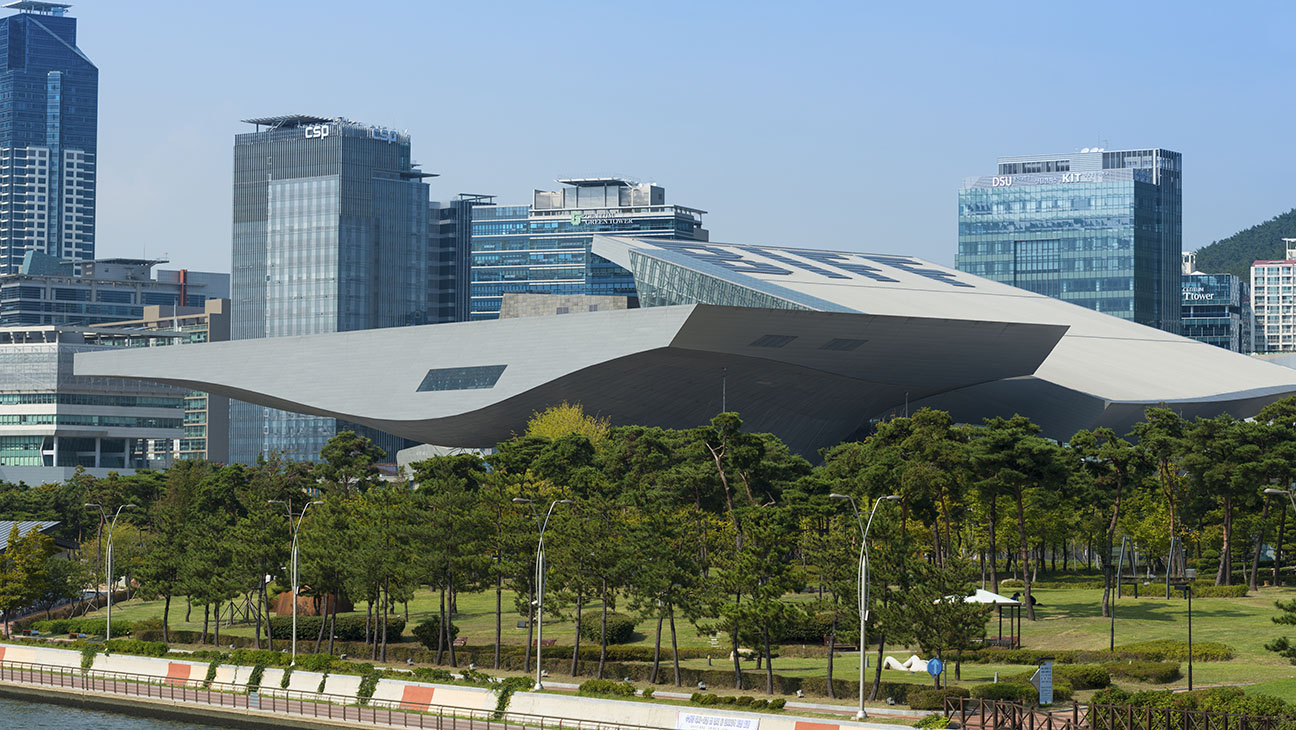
x=548, y=642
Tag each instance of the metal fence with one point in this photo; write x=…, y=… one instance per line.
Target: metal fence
x=396, y=713
x=977, y=714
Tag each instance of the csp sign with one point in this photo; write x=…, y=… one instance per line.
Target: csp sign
x=316, y=131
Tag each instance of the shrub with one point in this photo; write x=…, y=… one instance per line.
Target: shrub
x=504, y=693
x=1011, y=691
x=88, y=657
x=1084, y=676
x=137, y=648
x=647, y=694
x=155, y=624
x=933, y=699
x=211, y=672
x=620, y=628
x=1146, y=671
x=254, y=679
x=1011, y=583
x=428, y=633
x=432, y=674
x=315, y=662
x=91, y=626
x=368, y=684
x=287, y=677
x=1174, y=650
x=264, y=657
x=323, y=682
x=777, y=703
x=609, y=687
x=937, y=722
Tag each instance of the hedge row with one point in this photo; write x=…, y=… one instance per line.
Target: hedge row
x=1156, y=651
x=927, y=698
x=88, y=626
x=1199, y=589
x=745, y=701
x=1146, y=671
x=605, y=687
x=345, y=628
x=1231, y=700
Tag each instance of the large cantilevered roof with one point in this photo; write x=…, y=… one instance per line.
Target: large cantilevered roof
x=811, y=377
x=1105, y=370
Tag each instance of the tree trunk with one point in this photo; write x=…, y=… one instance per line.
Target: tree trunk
x=1255, y=561
x=382, y=625
x=248, y=601
x=332, y=623
x=674, y=647
x=1021, y=529
x=769, y=661
x=526, y=657
x=877, y=670
x=206, y=614
x=188, y=608
x=737, y=666
x=166, y=614
x=832, y=649
x=994, y=551
x=1278, y=546
x=216, y=638
x=322, y=612
x=652, y=679
x=265, y=614
x=603, y=631
x=1224, y=576
x=441, y=635
x=580, y=601
x=449, y=635
x=499, y=592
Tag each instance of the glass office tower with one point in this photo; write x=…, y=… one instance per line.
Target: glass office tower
x=331, y=231
x=1100, y=229
x=49, y=109
x=544, y=248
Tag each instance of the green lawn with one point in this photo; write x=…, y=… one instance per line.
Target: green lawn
x=1066, y=619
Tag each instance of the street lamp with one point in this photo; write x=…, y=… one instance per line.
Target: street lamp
x=111, y=529
x=540, y=574
x=296, y=530
x=863, y=583
x=1187, y=590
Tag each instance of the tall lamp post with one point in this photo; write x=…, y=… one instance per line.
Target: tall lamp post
x=111, y=529
x=296, y=530
x=863, y=583
x=540, y=574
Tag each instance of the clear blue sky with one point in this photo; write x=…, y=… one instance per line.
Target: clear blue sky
x=840, y=125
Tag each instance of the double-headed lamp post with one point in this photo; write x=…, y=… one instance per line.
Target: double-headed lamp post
x=863, y=584
x=296, y=530
x=109, y=577
x=540, y=575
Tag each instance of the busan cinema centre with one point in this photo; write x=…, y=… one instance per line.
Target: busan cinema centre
x=811, y=345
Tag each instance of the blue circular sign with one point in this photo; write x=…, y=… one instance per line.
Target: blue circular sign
x=935, y=666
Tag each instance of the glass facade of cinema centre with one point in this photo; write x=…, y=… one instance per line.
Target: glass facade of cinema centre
x=544, y=248
x=1099, y=229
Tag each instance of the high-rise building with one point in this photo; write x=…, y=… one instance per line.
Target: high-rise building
x=47, y=291
x=49, y=106
x=206, y=417
x=1101, y=229
x=331, y=234
x=544, y=248
x=52, y=421
x=1274, y=302
x=1216, y=308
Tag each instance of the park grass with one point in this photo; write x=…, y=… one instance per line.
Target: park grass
x=1066, y=619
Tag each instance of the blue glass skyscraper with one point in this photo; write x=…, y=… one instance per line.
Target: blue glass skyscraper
x=544, y=248
x=1101, y=229
x=331, y=234
x=49, y=106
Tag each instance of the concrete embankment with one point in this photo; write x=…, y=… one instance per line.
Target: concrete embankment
x=403, y=694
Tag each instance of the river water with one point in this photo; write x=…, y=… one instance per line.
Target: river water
x=20, y=714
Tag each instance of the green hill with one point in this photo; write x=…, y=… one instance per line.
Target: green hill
x=1233, y=255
